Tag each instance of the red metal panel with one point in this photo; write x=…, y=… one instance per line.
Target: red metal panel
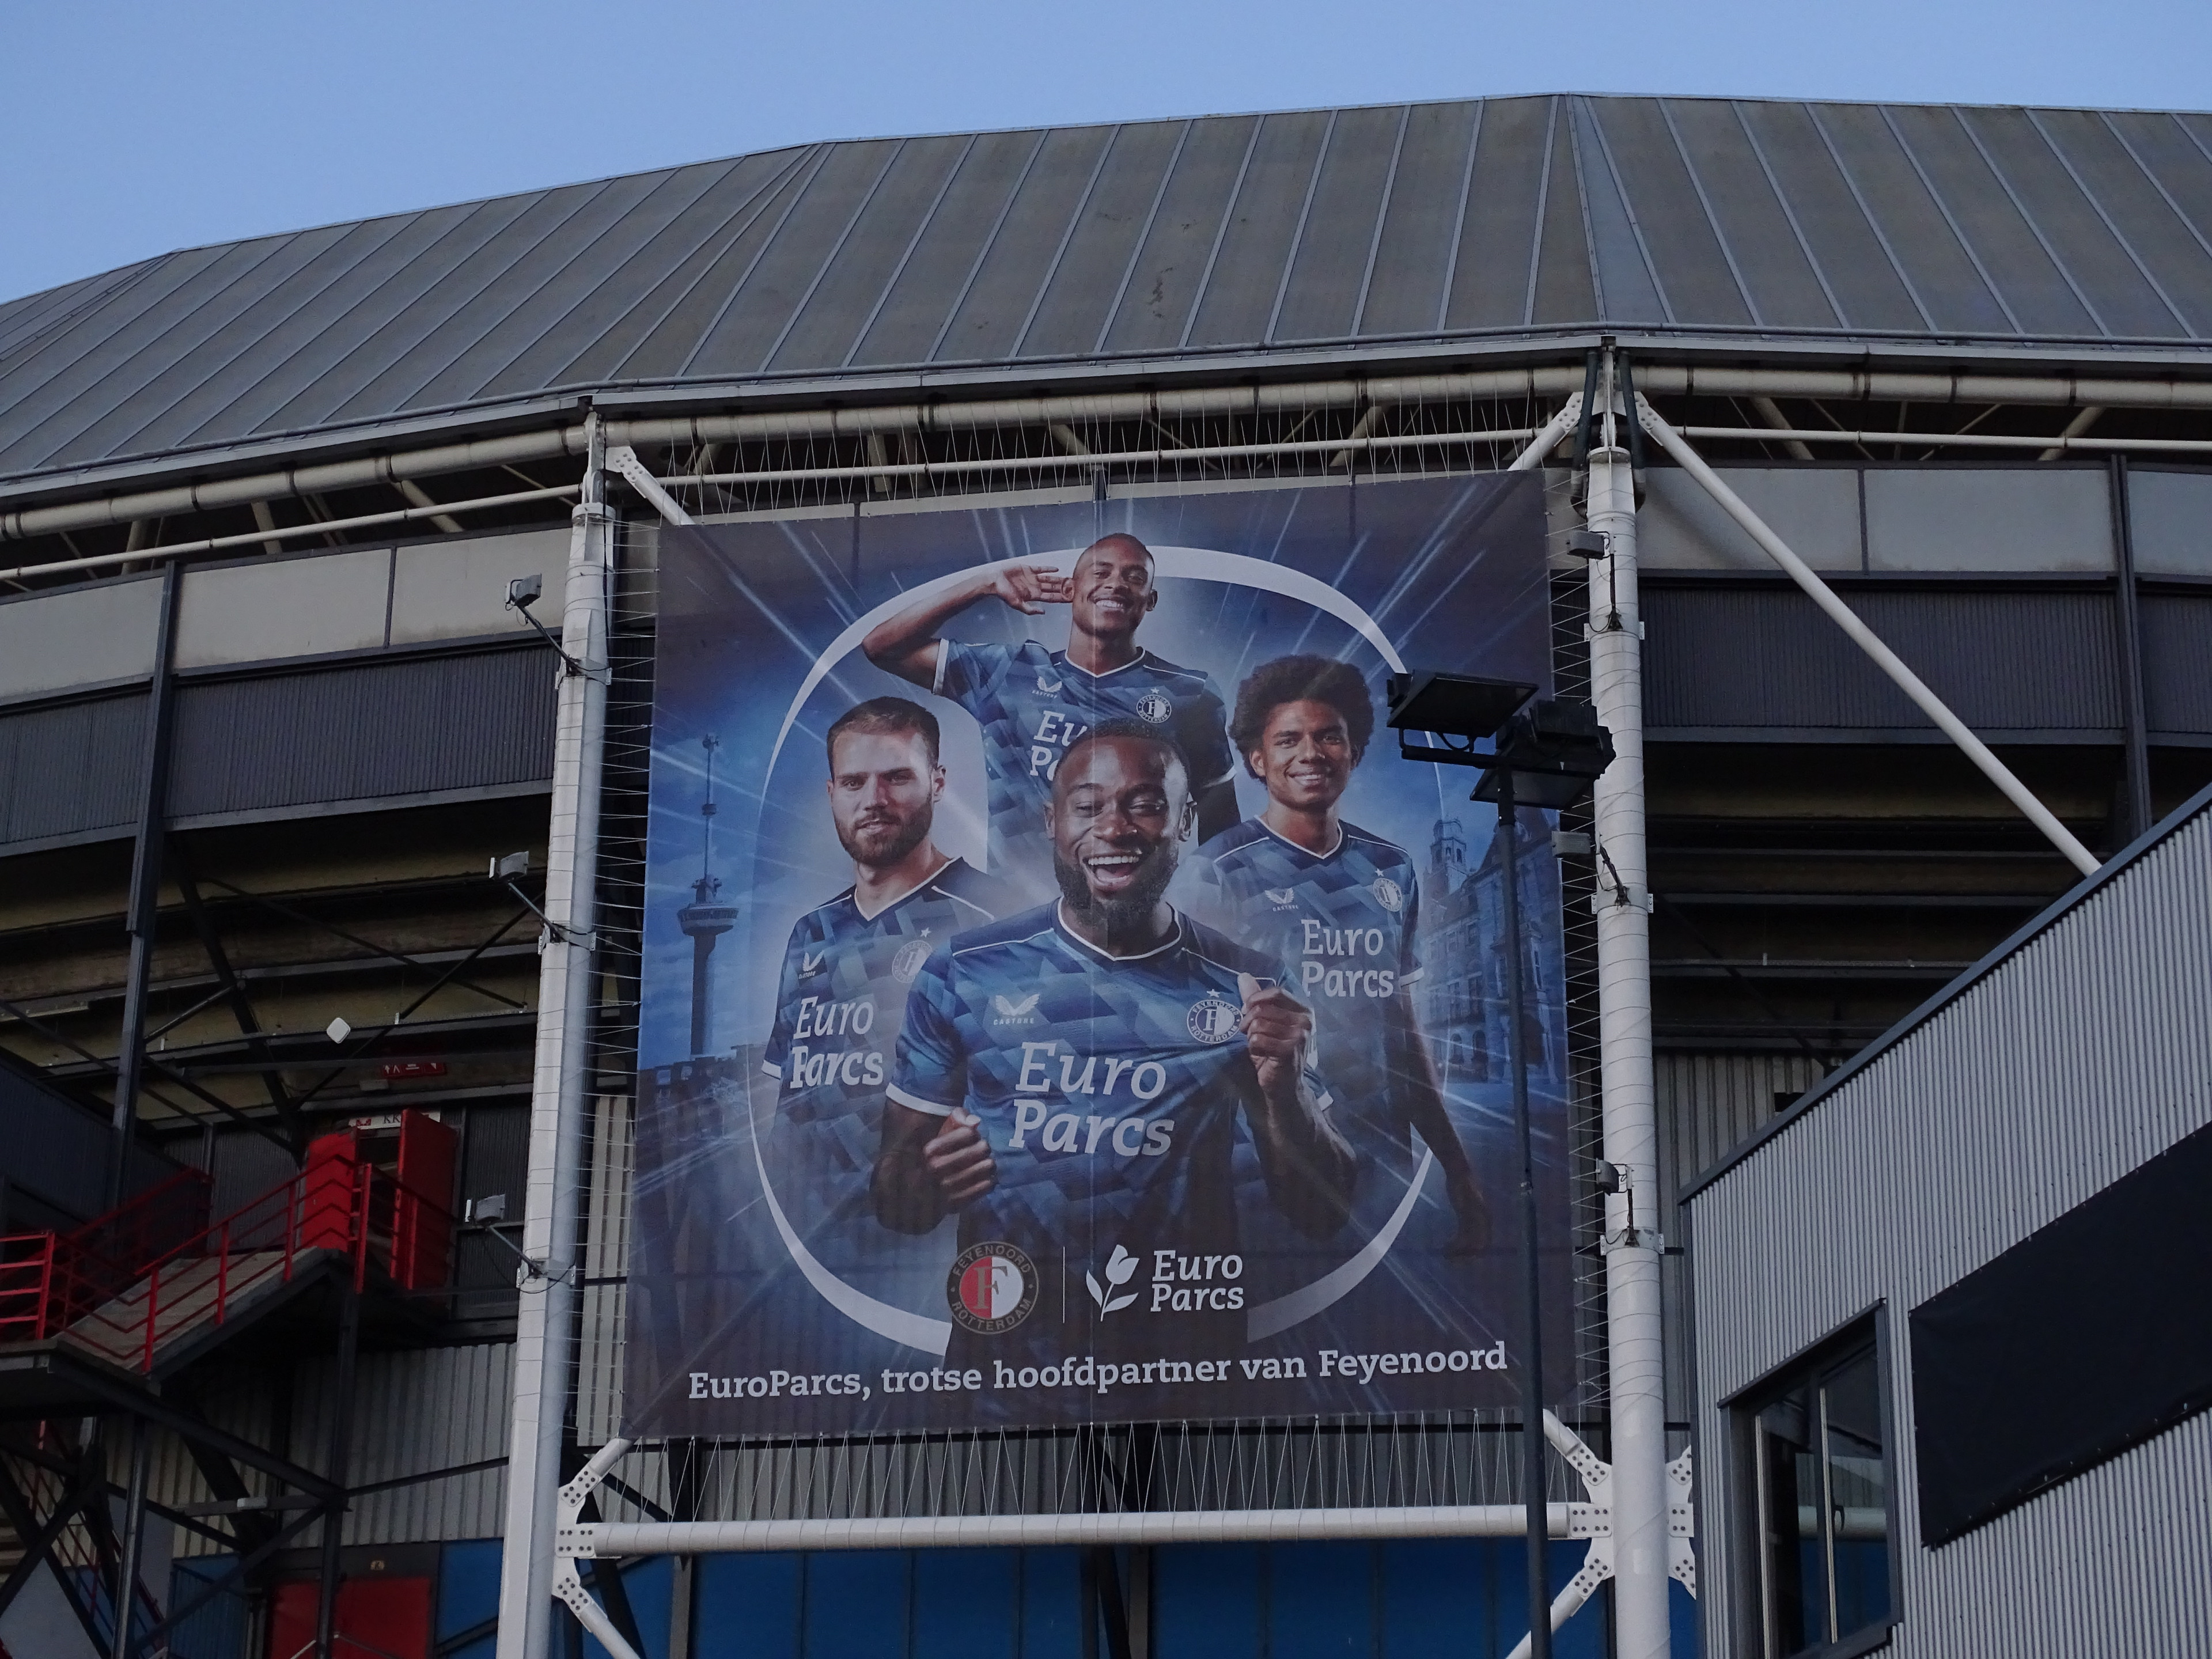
x=422, y=1230
x=377, y=1619
x=326, y=1220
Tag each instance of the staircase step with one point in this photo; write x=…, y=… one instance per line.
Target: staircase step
x=192, y=1293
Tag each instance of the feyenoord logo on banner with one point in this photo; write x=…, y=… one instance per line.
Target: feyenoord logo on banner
x=991, y=1288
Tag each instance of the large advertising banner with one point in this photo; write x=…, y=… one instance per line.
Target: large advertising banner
x=1060, y=1002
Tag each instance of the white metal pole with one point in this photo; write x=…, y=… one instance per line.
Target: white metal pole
x=1887, y=659
x=1636, y=1362
x=626, y=1539
x=559, y=1083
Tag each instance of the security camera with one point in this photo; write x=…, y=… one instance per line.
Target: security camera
x=523, y=592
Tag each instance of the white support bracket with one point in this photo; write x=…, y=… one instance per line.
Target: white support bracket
x=624, y=459
x=568, y=1584
x=1593, y=1521
x=1682, y=1523
x=1864, y=637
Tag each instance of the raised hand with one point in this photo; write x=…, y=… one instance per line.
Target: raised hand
x=1277, y=1028
x=959, y=1161
x=1029, y=587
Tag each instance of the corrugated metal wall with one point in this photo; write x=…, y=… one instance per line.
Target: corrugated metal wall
x=71, y=771
x=1708, y=1105
x=2085, y=1053
x=2178, y=662
x=1738, y=657
x=364, y=731
x=415, y=1411
x=356, y=732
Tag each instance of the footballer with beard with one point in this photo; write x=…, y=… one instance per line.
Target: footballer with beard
x=1032, y=704
x=1336, y=909
x=1070, y=1081
x=848, y=963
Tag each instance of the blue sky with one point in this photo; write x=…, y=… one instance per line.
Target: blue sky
x=129, y=127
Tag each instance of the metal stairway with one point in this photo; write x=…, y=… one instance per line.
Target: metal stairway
x=101, y=1328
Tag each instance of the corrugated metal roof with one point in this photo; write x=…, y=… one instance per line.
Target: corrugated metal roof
x=1485, y=220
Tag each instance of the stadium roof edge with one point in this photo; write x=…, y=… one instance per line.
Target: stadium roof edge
x=1262, y=246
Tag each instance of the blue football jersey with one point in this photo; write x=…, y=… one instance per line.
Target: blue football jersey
x=839, y=1001
x=1109, y=1089
x=1341, y=927
x=1032, y=704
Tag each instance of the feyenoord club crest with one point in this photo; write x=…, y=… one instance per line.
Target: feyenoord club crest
x=1154, y=707
x=1389, y=895
x=991, y=1288
x=1212, y=1020
x=908, y=962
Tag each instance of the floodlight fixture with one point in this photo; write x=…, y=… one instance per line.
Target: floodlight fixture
x=483, y=1210
x=1588, y=544
x=1547, y=756
x=1464, y=707
x=514, y=864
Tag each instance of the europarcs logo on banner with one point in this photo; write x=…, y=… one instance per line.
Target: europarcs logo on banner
x=1179, y=1283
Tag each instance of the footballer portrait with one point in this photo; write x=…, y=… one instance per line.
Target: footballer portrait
x=1071, y=1079
x=1032, y=701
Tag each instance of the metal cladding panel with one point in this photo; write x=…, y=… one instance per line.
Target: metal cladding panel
x=1151, y=238
x=2177, y=630
x=1815, y=509
x=2084, y=1052
x=90, y=635
x=367, y=731
x=1766, y=657
x=73, y=769
x=2170, y=522
x=1708, y=1105
x=2010, y=518
x=415, y=1413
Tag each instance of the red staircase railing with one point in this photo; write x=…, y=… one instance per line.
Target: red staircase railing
x=47, y=1280
x=50, y=1283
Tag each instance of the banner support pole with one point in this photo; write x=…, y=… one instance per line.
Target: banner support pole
x=1634, y=1355
x=560, y=1081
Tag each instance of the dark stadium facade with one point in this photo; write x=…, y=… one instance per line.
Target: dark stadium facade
x=271, y=732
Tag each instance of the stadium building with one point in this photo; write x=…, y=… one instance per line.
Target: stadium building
x=330, y=579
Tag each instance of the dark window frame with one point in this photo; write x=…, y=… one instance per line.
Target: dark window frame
x=1743, y=1539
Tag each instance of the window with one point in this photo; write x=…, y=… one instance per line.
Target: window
x=1818, y=1499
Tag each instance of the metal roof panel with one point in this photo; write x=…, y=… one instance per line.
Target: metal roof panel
x=1244, y=275
x=1765, y=248
x=947, y=248
x=1903, y=225
x=1419, y=234
x=1329, y=265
